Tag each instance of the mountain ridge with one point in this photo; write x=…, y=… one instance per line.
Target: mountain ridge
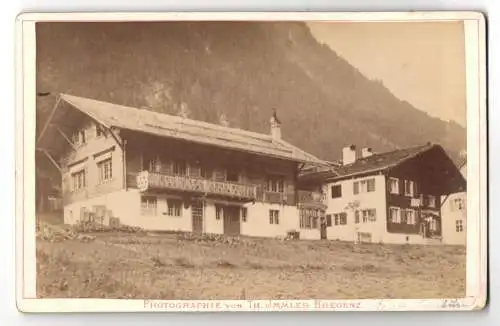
x=238, y=71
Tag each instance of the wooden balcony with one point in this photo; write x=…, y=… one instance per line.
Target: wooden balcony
x=311, y=199
x=275, y=197
x=149, y=180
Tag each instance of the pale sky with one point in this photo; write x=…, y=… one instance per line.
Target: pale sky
x=422, y=63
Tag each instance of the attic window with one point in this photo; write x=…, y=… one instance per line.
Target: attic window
x=99, y=131
x=79, y=137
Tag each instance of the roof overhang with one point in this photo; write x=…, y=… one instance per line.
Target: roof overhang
x=293, y=154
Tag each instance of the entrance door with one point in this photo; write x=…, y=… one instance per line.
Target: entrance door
x=231, y=220
x=424, y=229
x=197, y=216
x=323, y=226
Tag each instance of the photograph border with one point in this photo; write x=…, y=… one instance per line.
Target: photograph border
x=476, y=270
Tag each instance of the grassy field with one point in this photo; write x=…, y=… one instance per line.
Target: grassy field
x=169, y=266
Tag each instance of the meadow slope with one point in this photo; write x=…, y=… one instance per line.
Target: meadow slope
x=169, y=266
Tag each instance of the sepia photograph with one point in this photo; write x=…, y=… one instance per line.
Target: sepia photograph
x=253, y=160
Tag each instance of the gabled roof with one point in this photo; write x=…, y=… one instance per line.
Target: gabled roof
x=381, y=161
x=368, y=165
x=164, y=125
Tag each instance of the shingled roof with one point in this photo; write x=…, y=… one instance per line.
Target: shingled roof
x=164, y=125
x=381, y=161
x=372, y=164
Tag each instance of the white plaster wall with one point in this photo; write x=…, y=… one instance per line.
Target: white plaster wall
x=449, y=218
x=369, y=200
x=126, y=205
x=210, y=224
x=161, y=221
x=310, y=234
x=258, y=225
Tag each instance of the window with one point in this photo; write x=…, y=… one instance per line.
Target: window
x=328, y=220
x=409, y=187
x=152, y=163
x=275, y=184
x=78, y=137
x=457, y=204
x=369, y=215
x=364, y=237
x=309, y=218
x=340, y=218
x=366, y=215
x=410, y=217
x=362, y=186
x=232, y=175
x=79, y=180
x=404, y=219
x=244, y=213
x=336, y=191
x=459, y=226
x=433, y=225
x=174, y=207
x=148, y=205
x=105, y=169
x=394, y=214
x=218, y=212
x=432, y=201
x=180, y=167
x=274, y=216
x=98, y=130
x=83, y=139
x=370, y=185
x=394, y=186
x=206, y=172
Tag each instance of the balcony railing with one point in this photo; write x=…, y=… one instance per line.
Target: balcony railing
x=311, y=198
x=147, y=180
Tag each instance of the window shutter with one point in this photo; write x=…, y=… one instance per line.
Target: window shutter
x=415, y=189
x=356, y=217
x=356, y=187
x=329, y=220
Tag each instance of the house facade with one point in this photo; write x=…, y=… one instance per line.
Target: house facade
x=161, y=172
x=391, y=197
x=454, y=215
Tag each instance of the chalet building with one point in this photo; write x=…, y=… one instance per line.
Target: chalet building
x=160, y=172
x=454, y=216
x=391, y=197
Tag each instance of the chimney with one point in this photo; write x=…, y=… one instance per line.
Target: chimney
x=349, y=155
x=366, y=152
x=275, y=126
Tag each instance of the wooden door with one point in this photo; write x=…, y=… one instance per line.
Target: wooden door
x=323, y=226
x=197, y=216
x=231, y=220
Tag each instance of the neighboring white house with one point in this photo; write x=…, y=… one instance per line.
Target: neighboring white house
x=454, y=216
x=161, y=172
x=390, y=197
